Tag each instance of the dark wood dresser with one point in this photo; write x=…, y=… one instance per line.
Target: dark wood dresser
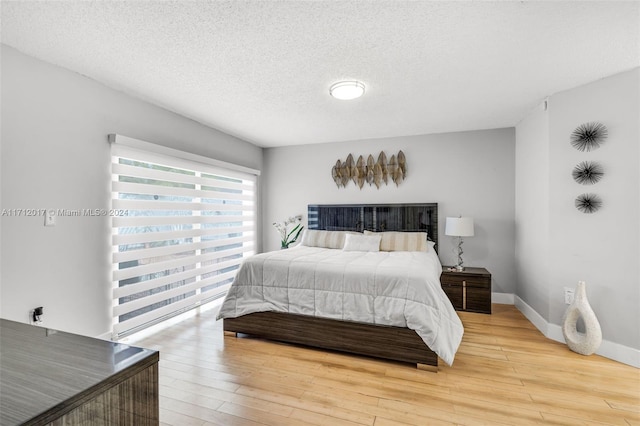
x=49, y=377
x=468, y=290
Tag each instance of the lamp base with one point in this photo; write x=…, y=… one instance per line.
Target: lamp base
x=459, y=266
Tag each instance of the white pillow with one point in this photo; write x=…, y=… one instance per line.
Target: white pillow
x=353, y=242
x=401, y=241
x=324, y=239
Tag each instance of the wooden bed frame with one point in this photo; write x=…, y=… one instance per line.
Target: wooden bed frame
x=379, y=341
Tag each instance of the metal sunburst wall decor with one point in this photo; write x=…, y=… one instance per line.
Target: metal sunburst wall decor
x=589, y=136
x=587, y=173
x=588, y=203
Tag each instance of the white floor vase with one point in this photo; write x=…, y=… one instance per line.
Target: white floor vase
x=583, y=343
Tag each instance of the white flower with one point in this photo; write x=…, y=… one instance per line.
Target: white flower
x=288, y=237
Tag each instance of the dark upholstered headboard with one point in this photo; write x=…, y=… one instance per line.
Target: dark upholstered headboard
x=375, y=217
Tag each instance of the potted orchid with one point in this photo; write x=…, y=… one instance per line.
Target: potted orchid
x=287, y=236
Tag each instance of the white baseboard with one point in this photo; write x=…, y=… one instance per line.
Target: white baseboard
x=554, y=332
x=532, y=315
x=611, y=350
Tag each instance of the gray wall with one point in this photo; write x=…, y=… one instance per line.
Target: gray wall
x=55, y=154
x=602, y=248
x=466, y=173
x=532, y=210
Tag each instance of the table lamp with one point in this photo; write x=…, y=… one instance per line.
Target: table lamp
x=459, y=227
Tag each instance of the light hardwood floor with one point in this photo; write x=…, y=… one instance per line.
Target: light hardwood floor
x=505, y=372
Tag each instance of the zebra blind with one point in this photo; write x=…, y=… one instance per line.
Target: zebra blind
x=180, y=231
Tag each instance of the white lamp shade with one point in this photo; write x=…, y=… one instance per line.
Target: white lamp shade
x=459, y=227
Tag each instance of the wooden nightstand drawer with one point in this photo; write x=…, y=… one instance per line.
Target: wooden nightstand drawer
x=449, y=279
x=479, y=282
x=468, y=290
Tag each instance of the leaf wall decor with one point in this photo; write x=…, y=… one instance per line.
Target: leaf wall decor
x=377, y=175
x=392, y=167
x=349, y=161
x=402, y=163
x=345, y=174
x=361, y=171
x=372, y=171
x=398, y=176
x=382, y=161
x=370, y=163
x=335, y=174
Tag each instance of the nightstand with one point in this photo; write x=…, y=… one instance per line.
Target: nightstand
x=468, y=290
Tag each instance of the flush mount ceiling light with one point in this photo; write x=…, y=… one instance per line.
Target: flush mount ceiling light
x=346, y=90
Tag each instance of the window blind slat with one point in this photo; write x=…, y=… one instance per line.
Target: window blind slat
x=137, y=238
x=149, y=189
x=149, y=318
x=144, y=253
x=145, y=173
x=133, y=221
x=184, y=229
x=130, y=289
x=169, y=294
x=181, y=262
x=147, y=205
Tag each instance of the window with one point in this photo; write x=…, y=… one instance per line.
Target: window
x=180, y=231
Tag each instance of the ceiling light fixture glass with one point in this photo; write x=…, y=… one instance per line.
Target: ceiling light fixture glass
x=347, y=90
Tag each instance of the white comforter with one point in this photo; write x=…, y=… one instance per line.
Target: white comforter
x=392, y=288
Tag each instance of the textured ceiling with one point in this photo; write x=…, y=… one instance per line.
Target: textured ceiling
x=260, y=70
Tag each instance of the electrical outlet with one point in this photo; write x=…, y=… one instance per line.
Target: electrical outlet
x=35, y=316
x=568, y=295
x=50, y=217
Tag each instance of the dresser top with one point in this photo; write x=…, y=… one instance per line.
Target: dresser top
x=43, y=371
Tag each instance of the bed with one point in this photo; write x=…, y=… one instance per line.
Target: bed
x=331, y=292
